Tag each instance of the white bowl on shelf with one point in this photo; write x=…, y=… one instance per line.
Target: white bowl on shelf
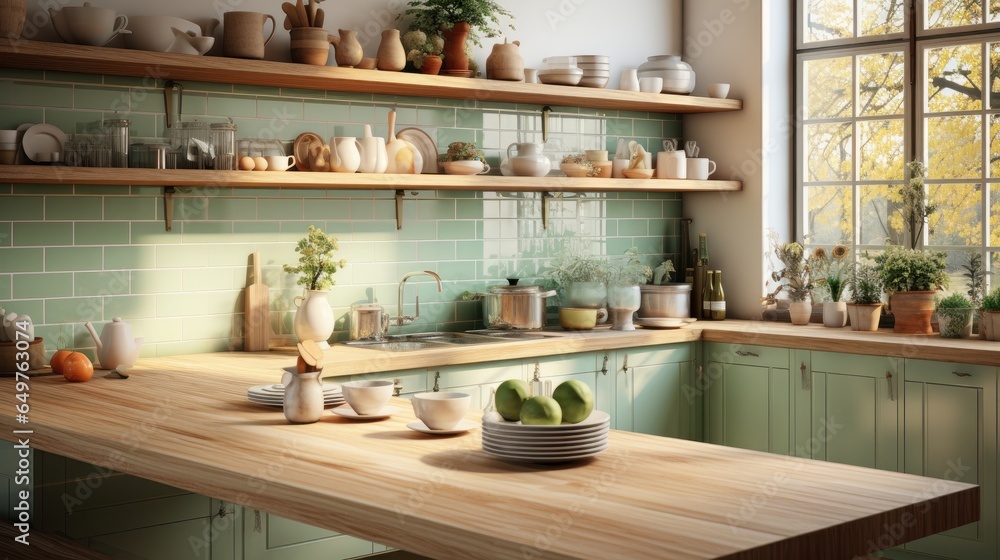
x=561, y=77
x=594, y=81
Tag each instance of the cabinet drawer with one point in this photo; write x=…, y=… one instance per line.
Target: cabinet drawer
x=850, y=363
x=746, y=354
x=128, y=517
x=672, y=354
x=949, y=373
x=473, y=374
x=555, y=366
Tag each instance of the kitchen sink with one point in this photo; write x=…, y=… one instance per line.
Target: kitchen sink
x=423, y=341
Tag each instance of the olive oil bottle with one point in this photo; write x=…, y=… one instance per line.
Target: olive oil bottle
x=718, y=305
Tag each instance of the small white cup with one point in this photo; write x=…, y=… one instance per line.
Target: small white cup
x=670, y=165
x=700, y=168
x=618, y=165
x=651, y=84
x=718, y=91
x=367, y=397
x=530, y=76
x=441, y=411
x=279, y=163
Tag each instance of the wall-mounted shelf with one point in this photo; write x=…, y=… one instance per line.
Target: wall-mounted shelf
x=38, y=55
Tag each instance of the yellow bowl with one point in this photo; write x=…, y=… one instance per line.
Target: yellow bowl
x=577, y=318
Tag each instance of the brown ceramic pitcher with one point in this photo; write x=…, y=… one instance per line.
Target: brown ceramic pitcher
x=243, y=34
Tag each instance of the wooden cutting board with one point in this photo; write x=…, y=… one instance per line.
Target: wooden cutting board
x=256, y=328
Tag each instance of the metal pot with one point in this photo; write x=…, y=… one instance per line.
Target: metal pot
x=665, y=300
x=515, y=307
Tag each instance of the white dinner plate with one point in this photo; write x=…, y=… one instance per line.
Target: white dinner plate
x=424, y=144
x=542, y=459
x=280, y=401
x=347, y=412
x=461, y=427
x=596, y=419
x=42, y=139
x=663, y=322
x=545, y=451
x=505, y=439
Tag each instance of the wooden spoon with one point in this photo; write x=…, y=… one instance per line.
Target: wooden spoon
x=300, y=9
x=320, y=18
x=290, y=14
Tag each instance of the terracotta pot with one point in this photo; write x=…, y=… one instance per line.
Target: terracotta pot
x=912, y=311
x=431, y=65
x=455, y=59
x=12, y=14
x=834, y=314
x=800, y=311
x=310, y=45
x=989, y=325
x=391, y=57
x=864, y=316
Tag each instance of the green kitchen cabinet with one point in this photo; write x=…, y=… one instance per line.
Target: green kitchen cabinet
x=587, y=367
x=407, y=382
x=652, y=390
x=475, y=379
x=270, y=537
x=846, y=409
x=746, y=390
x=949, y=431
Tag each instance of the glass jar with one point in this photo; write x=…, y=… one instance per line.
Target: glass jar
x=192, y=141
x=223, y=145
x=117, y=133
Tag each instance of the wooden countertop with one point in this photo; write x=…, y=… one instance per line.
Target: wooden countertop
x=185, y=421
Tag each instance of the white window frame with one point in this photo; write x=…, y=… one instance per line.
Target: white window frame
x=801, y=31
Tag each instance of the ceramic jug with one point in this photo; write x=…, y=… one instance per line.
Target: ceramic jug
x=505, y=62
x=115, y=346
x=373, y=155
x=243, y=34
x=314, y=319
x=347, y=49
x=345, y=154
x=303, y=403
x=391, y=57
x=527, y=159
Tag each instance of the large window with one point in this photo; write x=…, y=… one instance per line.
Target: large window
x=884, y=82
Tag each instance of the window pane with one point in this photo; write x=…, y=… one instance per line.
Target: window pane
x=881, y=17
x=954, y=78
x=994, y=84
x=953, y=13
x=954, y=147
x=829, y=19
x=957, y=217
x=956, y=261
x=995, y=217
x=878, y=215
x=994, y=10
x=881, y=150
x=828, y=215
x=828, y=88
x=994, y=145
x=880, y=84
x=828, y=152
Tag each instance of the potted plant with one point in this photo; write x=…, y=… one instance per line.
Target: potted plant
x=580, y=278
x=865, y=306
x=624, y=296
x=989, y=315
x=423, y=51
x=829, y=270
x=314, y=318
x=955, y=316
x=911, y=278
x=457, y=21
x=463, y=158
x=975, y=276
x=793, y=278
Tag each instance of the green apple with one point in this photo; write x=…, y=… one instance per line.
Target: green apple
x=575, y=399
x=509, y=398
x=541, y=410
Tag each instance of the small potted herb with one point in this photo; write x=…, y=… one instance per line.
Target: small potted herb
x=793, y=278
x=463, y=158
x=989, y=315
x=624, y=295
x=911, y=277
x=580, y=277
x=955, y=316
x=865, y=307
x=423, y=50
x=829, y=270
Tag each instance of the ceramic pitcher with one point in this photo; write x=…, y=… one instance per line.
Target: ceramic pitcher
x=373, y=155
x=345, y=154
x=528, y=160
x=303, y=402
x=243, y=34
x=348, y=51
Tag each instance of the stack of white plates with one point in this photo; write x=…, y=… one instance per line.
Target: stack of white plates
x=596, y=70
x=274, y=395
x=514, y=441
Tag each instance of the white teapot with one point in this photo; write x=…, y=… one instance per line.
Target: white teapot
x=115, y=346
x=527, y=160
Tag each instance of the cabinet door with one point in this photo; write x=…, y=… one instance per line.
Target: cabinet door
x=851, y=408
x=270, y=537
x=9, y=490
x=747, y=398
x=650, y=396
x=585, y=367
x=409, y=382
x=950, y=432
x=476, y=379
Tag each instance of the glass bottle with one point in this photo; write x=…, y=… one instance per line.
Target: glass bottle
x=718, y=298
x=707, y=295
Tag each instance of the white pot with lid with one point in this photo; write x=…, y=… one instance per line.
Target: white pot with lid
x=678, y=77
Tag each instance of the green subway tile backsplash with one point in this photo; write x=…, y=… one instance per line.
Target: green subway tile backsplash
x=92, y=252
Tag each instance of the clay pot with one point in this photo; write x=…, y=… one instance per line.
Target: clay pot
x=800, y=312
x=455, y=59
x=243, y=34
x=834, y=314
x=348, y=51
x=310, y=45
x=989, y=325
x=391, y=56
x=505, y=62
x=431, y=65
x=912, y=311
x=12, y=14
x=864, y=316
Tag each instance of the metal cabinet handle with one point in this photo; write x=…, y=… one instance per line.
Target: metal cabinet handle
x=746, y=353
x=604, y=366
x=625, y=365
x=962, y=374
x=701, y=375
x=397, y=387
x=437, y=381
x=892, y=388
x=806, y=378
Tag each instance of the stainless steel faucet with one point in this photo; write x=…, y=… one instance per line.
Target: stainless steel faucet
x=407, y=319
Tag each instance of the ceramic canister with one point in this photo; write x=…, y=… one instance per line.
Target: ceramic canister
x=671, y=165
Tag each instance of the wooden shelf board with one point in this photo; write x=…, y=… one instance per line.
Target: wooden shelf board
x=45, y=174
x=38, y=55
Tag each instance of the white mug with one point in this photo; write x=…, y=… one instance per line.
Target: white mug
x=670, y=165
x=700, y=168
x=279, y=163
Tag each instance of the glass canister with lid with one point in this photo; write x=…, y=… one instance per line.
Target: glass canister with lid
x=192, y=140
x=223, y=145
x=118, y=140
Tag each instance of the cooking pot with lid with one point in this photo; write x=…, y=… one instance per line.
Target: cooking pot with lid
x=515, y=307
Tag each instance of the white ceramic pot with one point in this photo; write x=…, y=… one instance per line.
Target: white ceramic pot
x=345, y=154
x=678, y=77
x=800, y=311
x=528, y=160
x=303, y=402
x=623, y=302
x=834, y=314
x=314, y=319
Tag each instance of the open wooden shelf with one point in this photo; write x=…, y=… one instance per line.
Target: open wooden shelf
x=38, y=55
x=45, y=174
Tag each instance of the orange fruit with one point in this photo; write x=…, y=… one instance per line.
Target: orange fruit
x=77, y=367
x=57, y=360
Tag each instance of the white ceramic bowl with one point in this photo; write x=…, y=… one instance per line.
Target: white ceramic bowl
x=594, y=81
x=441, y=411
x=567, y=77
x=367, y=397
x=593, y=58
x=562, y=61
x=718, y=91
x=153, y=33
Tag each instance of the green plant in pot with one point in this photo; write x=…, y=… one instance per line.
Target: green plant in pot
x=830, y=269
x=865, y=306
x=463, y=158
x=955, y=316
x=792, y=277
x=457, y=21
x=989, y=317
x=314, y=319
x=580, y=277
x=423, y=50
x=911, y=278
x=624, y=295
